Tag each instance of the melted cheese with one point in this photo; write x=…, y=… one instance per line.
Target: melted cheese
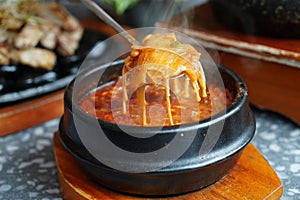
x=162, y=58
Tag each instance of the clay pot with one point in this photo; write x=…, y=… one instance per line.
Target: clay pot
x=193, y=170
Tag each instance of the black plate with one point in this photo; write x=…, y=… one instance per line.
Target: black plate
x=19, y=82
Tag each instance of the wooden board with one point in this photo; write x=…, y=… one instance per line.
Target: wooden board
x=251, y=178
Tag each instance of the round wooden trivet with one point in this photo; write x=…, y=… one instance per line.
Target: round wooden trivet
x=251, y=178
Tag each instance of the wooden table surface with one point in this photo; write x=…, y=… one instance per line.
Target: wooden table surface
x=271, y=86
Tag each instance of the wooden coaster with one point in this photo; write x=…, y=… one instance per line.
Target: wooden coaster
x=251, y=178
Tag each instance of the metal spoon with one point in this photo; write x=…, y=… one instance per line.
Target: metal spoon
x=96, y=9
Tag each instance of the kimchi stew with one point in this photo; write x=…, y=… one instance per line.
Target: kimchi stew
x=162, y=84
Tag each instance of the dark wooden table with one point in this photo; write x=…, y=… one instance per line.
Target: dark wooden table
x=270, y=66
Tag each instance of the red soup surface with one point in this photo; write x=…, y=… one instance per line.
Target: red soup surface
x=106, y=103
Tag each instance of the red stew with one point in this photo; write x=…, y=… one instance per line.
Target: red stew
x=106, y=103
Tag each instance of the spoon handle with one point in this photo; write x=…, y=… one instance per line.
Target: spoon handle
x=96, y=9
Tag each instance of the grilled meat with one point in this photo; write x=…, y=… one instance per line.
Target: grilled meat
x=28, y=33
x=58, y=15
x=29, y=36
x=49, y=38
x=35, y=57
x=4, y=54
x=68, y=42
x=12, y=23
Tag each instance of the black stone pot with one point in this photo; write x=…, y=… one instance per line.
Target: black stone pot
x=193, y=170
x=271, y=18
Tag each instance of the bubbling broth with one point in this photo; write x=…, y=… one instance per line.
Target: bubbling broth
x=106, y=103
x=162, y=84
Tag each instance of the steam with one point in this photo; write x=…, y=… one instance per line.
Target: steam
x=178, y=15
x=179, y=7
